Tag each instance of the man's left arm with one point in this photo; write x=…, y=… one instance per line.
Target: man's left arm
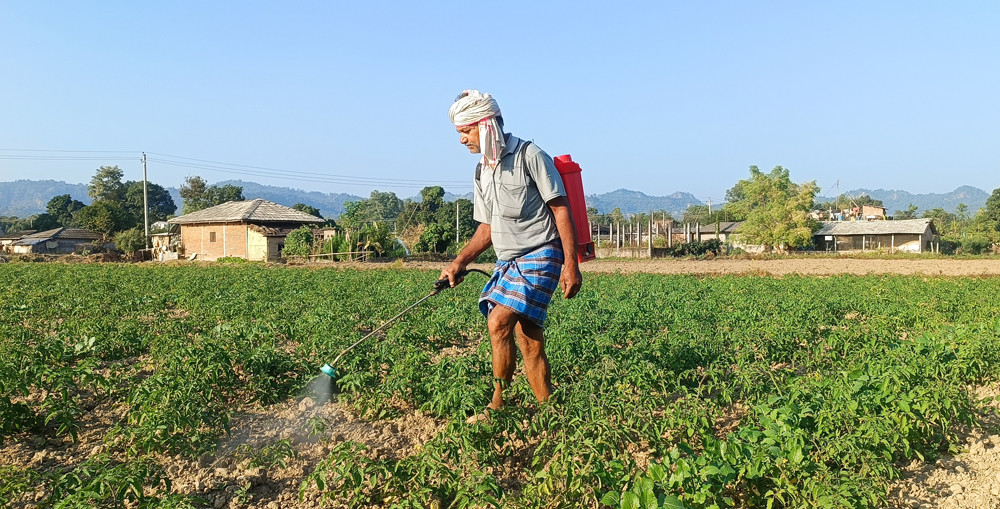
x=571, y=279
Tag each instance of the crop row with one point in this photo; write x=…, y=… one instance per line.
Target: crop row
x=672, y=391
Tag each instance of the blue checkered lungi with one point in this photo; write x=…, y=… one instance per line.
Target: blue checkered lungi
x=525, y=284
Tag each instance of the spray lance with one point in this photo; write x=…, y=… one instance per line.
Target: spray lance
x=439, y=285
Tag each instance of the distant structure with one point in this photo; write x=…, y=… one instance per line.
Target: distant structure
x=58, y=241
x=907, y=235
x=252, y=229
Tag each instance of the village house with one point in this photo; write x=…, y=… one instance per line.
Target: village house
x=252, y=229
x=8, y=239
x=908, y=236
x=58, y=241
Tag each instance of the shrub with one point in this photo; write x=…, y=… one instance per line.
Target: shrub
x=298, y=242
x=130, y=241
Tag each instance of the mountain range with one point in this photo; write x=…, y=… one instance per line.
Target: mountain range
x=23, y=198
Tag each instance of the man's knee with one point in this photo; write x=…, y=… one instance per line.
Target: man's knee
x=501, y=324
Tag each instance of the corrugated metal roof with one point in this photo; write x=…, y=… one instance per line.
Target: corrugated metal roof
x=17, y=234
x=902, y=226
x=258, y=211
x=66, y=234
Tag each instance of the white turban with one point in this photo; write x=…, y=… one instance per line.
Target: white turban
x=473, y=107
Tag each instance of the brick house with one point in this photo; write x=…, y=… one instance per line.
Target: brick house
x=252, y=229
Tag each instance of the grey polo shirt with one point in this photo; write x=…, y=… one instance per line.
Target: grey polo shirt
x=511, y=199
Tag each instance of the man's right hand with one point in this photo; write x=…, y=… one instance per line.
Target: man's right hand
x=451, y=273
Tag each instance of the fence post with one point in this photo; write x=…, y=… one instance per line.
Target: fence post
x=650, y=232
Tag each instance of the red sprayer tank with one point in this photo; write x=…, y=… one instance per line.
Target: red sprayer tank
x=570, y=172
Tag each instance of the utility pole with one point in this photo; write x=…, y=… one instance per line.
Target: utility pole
x=456, y=223
x=145, y=201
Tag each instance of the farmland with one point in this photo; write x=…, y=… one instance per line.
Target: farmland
x=196, y=386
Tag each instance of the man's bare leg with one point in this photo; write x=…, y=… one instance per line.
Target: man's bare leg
x=502, y=322
x=531, y=341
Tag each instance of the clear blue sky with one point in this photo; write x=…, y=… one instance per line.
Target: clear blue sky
x=651, y=96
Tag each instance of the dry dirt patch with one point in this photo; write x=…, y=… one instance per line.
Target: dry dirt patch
x=968, y=480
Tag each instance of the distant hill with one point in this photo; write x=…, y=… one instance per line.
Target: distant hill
x=895, y=199
x=22, y=198
x=634, y=202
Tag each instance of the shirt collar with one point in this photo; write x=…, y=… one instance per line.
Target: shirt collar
x=511, y=144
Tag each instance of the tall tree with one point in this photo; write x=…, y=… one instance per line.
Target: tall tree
x=62, y=208
x=161, y=204
x=107, y=184
x=776, y=210
x=992, y=210
x=431, y=199
x=218, y=195
x=196, y=194
x=192, y=193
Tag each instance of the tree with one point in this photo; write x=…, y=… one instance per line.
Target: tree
x=192, y=193
x=107, y=184
x=431, y=199
x=308, y=209
x=161, y=204
x=62, y=208
x=196, y=194
x=992, y=210
x=104, y=217
x=909, y=213
x=776, y=210
x=218, y=195
x=435, y=238
x=943, y=220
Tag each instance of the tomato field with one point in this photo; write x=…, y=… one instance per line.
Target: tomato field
x=671, y=391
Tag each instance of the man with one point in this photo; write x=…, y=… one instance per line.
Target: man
x=521, y=205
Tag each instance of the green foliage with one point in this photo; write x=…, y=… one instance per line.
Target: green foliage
x=302, y=207
x=434, y=239
x=161, y=204
x=776, y=210
x=196, y=194
x=100, y=482
x=130, y=241
x=268, y=456
x=104, y=217
x=991, y=211
x=672, y=391
x=298, y=242
x=62, y=208
x=697, y=248
x=106, y=185
x=909, y=213
x=379, y=207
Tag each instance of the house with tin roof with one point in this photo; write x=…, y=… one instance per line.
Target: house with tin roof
x=58, y=241
x=8, y=239
x=252, y=229
x=907, y=235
